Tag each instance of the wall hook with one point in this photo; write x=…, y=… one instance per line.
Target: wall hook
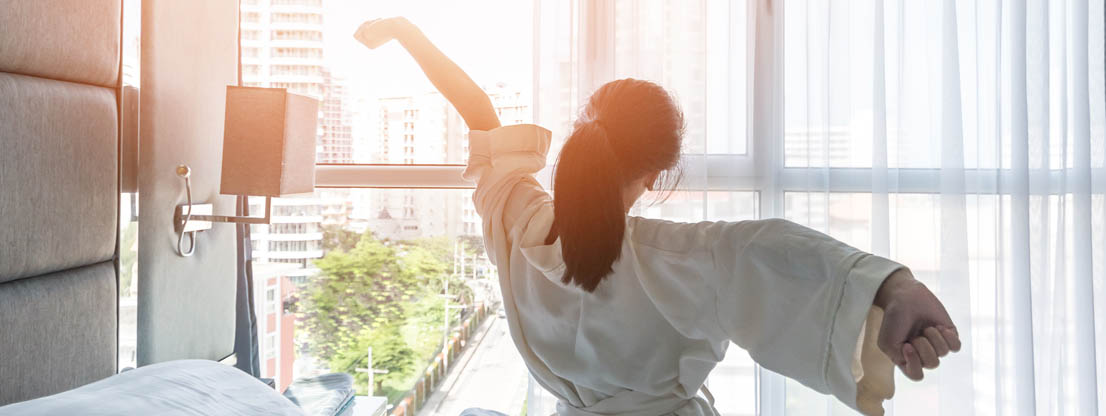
x=184, y=172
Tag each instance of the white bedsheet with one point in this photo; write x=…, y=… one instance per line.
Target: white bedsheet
x=184, y=387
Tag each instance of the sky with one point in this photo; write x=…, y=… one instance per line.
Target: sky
x=489, y=39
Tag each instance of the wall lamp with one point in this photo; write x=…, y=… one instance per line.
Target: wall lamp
x=268, y=150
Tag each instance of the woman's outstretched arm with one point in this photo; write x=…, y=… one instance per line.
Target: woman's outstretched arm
x=465, y=96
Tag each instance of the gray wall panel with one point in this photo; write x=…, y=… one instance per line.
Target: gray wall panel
x=57, y=332
x=58, y=175
x=185, y=304
x=72, y=40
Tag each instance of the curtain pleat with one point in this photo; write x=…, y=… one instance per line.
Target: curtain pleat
x=955, y=377
x=1019, y=305
x=1080, y=189
x=881, y=209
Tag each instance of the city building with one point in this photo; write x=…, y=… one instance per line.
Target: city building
x=275, y=323
x=425, y=129
x=294, y=236
x=282, y=47
x=335, y=132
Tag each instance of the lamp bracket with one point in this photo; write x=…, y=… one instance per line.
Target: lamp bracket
x=202, y=218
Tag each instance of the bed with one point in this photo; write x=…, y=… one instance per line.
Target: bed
x=182, y=387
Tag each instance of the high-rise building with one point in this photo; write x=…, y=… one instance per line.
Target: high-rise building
x=282, y=47
x=425, y=129
x=294, y=235
x=275, y=323
x=335, y=132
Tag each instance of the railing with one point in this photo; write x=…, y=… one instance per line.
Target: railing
x=435, y=372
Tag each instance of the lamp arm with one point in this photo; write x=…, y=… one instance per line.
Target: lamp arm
x=186, y=222
x=183, y=219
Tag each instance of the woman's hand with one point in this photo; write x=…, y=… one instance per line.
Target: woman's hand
x=916, y=329
x=376, y=32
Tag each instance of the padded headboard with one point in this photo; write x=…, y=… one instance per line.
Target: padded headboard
x=59, y=193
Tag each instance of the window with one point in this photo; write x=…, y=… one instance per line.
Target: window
x=270, y=346
x=291, y=52
x=128, y=201
x=297, y=70
x=926, y=135
x=309, y=18
x=385, y=253
x=272, y=303
x=309, y=35
x=850, y=130
x=311, y=3
x=376, y=260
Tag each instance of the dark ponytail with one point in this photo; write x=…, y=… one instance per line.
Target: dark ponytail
x=629, y=129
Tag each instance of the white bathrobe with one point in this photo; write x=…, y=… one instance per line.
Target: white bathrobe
x=645, y=340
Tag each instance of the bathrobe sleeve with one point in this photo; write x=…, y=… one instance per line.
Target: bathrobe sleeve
x=801, y=303
x=502, y=162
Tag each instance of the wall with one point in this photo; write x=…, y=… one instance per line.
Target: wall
x=189, y=56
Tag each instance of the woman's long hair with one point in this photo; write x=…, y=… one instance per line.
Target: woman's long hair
x=629, y=129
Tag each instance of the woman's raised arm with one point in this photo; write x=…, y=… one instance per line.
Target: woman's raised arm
x=465, y=96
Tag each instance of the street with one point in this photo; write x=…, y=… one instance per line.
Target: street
x=491, y=376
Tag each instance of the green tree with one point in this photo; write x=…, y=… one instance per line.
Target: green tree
x=127, y=257
x=364, y=288
x=390, y=352
x=337, y=238
x=431, y=259
x=386, y=294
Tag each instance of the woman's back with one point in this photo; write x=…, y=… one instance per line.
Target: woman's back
x=625, y=335
x=645, y=339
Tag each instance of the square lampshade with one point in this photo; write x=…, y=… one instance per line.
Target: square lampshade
x=268, y=142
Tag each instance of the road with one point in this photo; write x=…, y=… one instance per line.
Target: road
x=490, y=376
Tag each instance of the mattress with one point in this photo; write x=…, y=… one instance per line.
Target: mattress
x=183, y=387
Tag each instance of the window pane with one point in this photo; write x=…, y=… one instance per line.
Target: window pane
x=128, y=281
x=697, y=50
x=376, y=105
x=920, y=234
x=128, y=202
x=844, y=216
x=828, y=92
x=339, y=271
x=859, y=85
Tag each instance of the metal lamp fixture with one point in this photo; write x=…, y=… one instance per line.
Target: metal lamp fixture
x=268, y=150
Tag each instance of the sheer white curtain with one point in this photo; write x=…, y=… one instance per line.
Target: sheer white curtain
x=966, y=139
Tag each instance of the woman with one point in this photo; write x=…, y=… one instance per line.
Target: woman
x=624, y=315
